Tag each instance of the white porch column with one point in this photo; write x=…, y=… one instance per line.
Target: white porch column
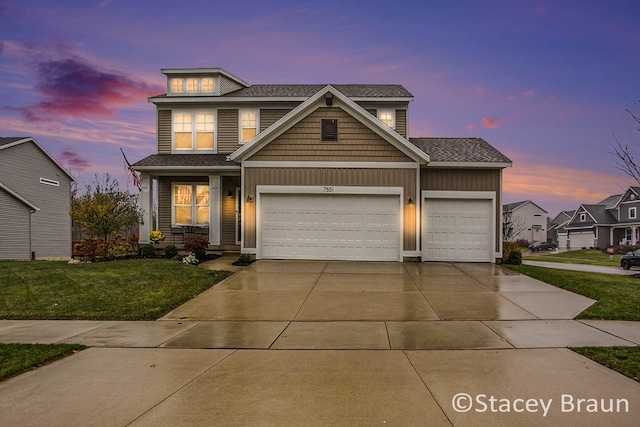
x=145, y=202
x=215, y=214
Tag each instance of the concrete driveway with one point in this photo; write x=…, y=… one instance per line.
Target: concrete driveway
x=337, y=343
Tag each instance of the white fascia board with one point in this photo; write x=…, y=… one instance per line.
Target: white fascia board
x=340, y=165
x=19, y=197
x=173, y=170
x=222, y=99
x=470, y=165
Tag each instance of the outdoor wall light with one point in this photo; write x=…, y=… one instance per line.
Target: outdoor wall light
x=230, y=194
x=410, y=201
x=249, y=199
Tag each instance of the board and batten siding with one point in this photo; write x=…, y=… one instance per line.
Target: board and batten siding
x=356, y=142
x=51, y=225
x=405, y=178
x=14, y=237
x=436, y=179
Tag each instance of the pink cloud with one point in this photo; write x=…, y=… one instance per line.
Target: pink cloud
x=480, y=90
x=527, y=93
x=70, y=158
x=470, y=126
x=490, y=123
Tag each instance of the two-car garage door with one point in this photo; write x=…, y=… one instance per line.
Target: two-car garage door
x=330, y=226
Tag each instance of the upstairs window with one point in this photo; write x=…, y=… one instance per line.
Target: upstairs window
x=207, y=84
x=329, y=130
x=388, y=117
x=583, y=217
x=177, y=85
x=194, y=131
x=632, y=213
x=248, y=125
x=193, y=85
x=190, y=204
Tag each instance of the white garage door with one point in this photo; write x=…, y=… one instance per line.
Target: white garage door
x=330, y=227
x=457, y=230
x=581, y=240
x=562, y=240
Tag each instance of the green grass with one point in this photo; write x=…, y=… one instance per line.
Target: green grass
x=618, y=297
x=583, y=256
x=625, y=360
x=18, y=358
x=120, y=290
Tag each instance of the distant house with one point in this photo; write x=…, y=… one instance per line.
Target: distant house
x=524, y=221
x=314, y=171
x=556, y=229
x=35, y=197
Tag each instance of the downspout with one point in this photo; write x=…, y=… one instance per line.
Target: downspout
x=31, y=253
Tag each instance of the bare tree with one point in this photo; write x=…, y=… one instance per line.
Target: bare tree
x=625, y=156
x=512, y=226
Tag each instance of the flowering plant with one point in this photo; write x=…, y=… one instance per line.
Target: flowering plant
x=156, y=236
x=190, y=260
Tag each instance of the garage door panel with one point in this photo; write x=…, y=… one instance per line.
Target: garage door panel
x=457, y=230
x=321, y=226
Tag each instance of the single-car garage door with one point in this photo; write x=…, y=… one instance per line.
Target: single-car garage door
x=457, y=230
x=329, y=227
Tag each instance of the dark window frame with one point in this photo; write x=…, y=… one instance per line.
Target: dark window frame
x=329, y=130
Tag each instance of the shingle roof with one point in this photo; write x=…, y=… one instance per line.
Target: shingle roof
x=308, y=90
x=511, y=206
x=611, y=201
x=466, y=150
x=600, y=214
x=184, y=160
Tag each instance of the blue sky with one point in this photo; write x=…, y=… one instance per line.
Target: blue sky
x=546, y=82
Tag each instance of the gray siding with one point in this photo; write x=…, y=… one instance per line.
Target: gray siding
x=51, y=225
x=164, y=131
x=227, y=85
x=227, y=131
x=14, y=237
x=270, y=116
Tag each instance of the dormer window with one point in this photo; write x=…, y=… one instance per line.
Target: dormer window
x=388, y=117
x=192, y=85
x=583, y=217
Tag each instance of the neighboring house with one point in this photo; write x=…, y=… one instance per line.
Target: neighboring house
x=524, y=221
x=556, y=229
x=35, y=197
x=315, y=172
x=611, y=222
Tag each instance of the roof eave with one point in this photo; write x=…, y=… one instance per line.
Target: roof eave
x=471, y=165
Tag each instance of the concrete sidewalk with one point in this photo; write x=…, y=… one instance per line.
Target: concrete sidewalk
x=582, y=267
x=309, y=343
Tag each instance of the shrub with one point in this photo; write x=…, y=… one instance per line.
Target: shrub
x=89, y=248
x=508, y=247
x=523, y=243
x=148, y=251
x=156, y=236
x=244, y=259
x=197, y=244
x=514, y=258
x=170, y=251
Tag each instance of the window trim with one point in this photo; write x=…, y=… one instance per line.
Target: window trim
x=583, y=217
x=256, y=111
x=185, y=85
x=194, y=204
x=391, y=111
x=194, y=113
x=635, y=213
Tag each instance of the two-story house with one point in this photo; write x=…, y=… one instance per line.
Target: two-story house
x=35, y=198
x=524, y=221
x=315, y=172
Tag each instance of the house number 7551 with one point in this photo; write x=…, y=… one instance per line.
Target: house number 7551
x=328, y=189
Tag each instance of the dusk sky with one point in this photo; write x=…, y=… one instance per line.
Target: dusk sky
x=545, y=82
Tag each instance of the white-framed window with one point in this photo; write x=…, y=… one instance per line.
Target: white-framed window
x=248, y=125
x=190, y=204
x=193, y=85
x=633, y=213
x=207, y=84
x=177, y=85
x=194, y=130
x=583, y=217
x=388, y=117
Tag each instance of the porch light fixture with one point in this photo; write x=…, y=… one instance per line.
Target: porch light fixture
x=249, y=199
x=410, y=201
x=230, y=194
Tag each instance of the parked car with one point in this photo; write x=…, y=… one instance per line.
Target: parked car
x=631, y=259
x=542, y=246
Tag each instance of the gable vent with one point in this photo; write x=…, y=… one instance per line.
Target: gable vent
x=329, y=129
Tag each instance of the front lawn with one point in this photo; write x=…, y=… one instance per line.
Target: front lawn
x=141, y=289
x=18, y=358
x=625, y=360
x=618, y=296
x=583, y=256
